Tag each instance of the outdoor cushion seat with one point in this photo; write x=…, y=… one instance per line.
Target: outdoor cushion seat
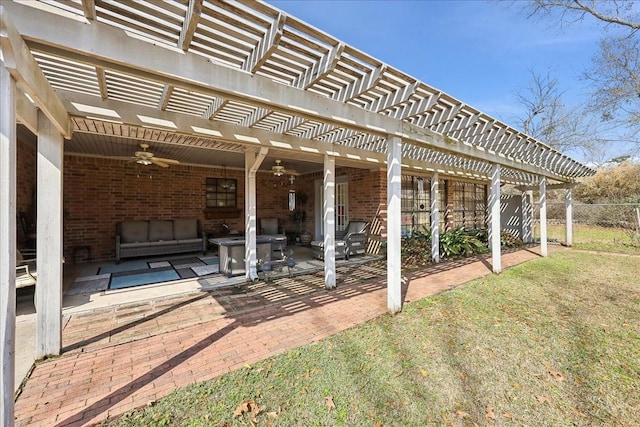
x=134, y=245
x=134, y=231
x=352, y=241
x=163, y=243
x=271, y=227
x=187, y=241
x=159, y=237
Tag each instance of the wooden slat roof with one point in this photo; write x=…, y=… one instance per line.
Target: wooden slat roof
x=254, y=37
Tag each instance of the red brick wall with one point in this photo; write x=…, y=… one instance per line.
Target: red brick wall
x=25, y=188
x=26, y=176
x=367, y=199
x=98, y=193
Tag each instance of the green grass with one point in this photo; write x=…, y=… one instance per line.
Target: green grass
x=555, y=341
x=595, y=238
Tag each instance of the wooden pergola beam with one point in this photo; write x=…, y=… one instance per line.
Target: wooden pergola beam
x=23, y=67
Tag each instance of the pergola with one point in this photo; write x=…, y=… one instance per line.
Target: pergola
x=241, y=77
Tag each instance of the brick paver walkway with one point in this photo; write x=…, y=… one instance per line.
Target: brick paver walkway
x=124, y=357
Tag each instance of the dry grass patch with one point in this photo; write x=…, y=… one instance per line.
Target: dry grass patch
x=552, y=342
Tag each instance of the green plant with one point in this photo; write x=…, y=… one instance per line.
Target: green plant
x=461, y=242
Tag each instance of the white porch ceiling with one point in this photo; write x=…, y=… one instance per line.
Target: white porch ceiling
x=256, y=39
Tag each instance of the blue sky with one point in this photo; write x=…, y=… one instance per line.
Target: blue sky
x=479, y=52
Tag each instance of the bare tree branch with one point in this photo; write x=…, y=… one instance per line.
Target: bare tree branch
x=610, y=12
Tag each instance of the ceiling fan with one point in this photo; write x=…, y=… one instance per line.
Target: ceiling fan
x=279, y=170
x=145, y=157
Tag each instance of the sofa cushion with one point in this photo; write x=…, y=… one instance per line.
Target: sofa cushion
x=189, y=241
x=185, y=229
x=269, y=226
x=160, y=230
x=134, y=231
x=134, y=245
x=163, y=243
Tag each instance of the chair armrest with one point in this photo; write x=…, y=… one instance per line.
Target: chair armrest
x=26, y=269
x=356, y=237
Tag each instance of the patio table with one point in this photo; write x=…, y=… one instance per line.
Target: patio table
x=232, y=251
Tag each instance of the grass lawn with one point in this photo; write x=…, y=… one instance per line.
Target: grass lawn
x=595, y=238
x=553, y=342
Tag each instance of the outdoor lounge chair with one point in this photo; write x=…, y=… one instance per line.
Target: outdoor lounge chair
x=352, y=241
x=271, y=227
x=26, y=274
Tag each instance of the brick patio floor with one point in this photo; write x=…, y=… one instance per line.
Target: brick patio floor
x=123, y=357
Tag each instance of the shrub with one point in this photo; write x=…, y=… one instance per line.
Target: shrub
x=461, y=242
x=458, y=243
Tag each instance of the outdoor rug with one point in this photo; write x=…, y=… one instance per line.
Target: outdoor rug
x=138, y=273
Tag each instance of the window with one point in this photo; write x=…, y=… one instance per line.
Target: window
x=469, y=209
x=342, y=206
x=221, y=193
x=415, y=204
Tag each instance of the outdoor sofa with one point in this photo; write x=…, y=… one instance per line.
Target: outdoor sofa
x=159, y=237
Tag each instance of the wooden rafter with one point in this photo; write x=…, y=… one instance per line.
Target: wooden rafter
x=314, y=61
x=190, y=24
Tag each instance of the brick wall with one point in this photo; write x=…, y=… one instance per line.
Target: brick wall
x=98, y=193
x=26, y=176
x=25, y=188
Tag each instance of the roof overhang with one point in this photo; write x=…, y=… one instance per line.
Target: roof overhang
x=265, y=79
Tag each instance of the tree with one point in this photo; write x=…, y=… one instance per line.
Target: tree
x=549, y=120
x=618, y=182
x=614, y=75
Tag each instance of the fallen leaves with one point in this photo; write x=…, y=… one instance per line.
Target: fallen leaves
x=555, y=374
x=249, y=406
x=490, y=415
x=329, y=402
x=545, y=399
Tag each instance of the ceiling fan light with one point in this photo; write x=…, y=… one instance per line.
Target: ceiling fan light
x=145, y=162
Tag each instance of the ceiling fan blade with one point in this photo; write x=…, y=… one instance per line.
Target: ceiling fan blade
x=160, y=163
x=145, y=154
x=164, y=160
x=292, y=172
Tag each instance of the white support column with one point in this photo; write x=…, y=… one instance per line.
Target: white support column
x=394, y=224
x=527, y=216
x=329, y=217
x=494, y=220
x=49, y=243
x=8, y=152
x=252, y=162
x=543, y=216
x=568, y=201
x=435, y=218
